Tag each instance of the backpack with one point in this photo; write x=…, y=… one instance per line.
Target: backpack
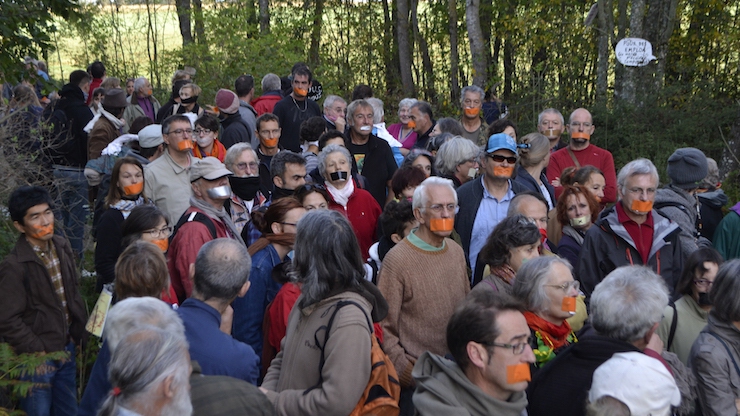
x=383, y=391
x=197, y=217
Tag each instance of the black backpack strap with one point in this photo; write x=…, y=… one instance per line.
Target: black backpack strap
x=721, y=341
x=327, y=328
x=197, y=217
x=672, y=331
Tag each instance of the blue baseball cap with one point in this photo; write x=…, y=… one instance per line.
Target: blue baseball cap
x=500, y=141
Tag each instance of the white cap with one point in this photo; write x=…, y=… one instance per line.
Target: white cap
x=639, y=381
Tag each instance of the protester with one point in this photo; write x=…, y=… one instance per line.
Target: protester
x=206, y=138
x=534, y=158
x=312, y=197
x=577, y=210
x=110, y=124
x=457, y=160
x=405, y=180
x=246, y=196
x=141, y=103
x=402, y=131
x=421, y=159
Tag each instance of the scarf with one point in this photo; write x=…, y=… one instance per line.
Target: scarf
x=220, y=214
x=146, y=106
x=341, y=196
x=126, y=205
x=285, y=239
x=218, y=151
x=117, y=123
x=552, y=335
x=574, y=234
x=505, y=273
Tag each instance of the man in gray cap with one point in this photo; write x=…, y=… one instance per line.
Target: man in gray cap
x=687, y=168
x=151, y=142
x=205, y=220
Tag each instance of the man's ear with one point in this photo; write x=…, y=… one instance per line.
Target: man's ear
x=244, y=289
x=191, y=271
x=168, y=387
x=277, y=181
x=19, y=227
x=477, y=354
x=396, y=238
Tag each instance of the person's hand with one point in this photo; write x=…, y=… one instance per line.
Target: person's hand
x=656, y=344
x=737, y=406
x=340, y=123
x=226, y=319
x=555, y=182
x=263, y=390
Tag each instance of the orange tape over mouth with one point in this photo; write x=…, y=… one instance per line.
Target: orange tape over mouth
x=642, y=206
x=503, y=172
x=441, y=224
x=518, y=373
x=40, y=232
x=580, y=135
x=569, y=304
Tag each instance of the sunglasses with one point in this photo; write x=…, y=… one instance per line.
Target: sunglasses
x=500, y=159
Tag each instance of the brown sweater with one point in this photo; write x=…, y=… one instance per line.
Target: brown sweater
x=422, y=289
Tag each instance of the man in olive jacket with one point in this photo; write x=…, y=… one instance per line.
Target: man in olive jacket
x=42, y=309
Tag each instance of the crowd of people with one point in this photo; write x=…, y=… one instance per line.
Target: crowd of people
x=261, y=251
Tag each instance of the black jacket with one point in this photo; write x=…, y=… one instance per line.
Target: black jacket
x=608, y=245
x=71, y=149
x=378, y=168
x=234, y=130
x=561, y=387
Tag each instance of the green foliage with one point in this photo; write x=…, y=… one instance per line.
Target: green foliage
x=14, y=366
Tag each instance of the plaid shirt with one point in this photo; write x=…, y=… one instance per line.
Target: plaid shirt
x=51, y=261
x=242, y=218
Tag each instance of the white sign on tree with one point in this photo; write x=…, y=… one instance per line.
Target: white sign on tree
x=634, y=52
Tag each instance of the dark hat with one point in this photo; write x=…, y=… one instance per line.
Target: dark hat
x=687, y=167
x=115, y=98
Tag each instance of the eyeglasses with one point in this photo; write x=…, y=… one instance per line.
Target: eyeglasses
x=159, y=234
x=703, y=282
x=178, y=132
x=438, y=208
x=517, y=348
x=202, y=131
x=244, y=165
x=565, y=286
x=289, y=223
x=577, y=125
x=500, y=159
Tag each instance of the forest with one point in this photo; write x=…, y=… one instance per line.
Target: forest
x=531, y=54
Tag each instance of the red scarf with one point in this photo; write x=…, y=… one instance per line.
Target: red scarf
x=218, y=151
x=557, y=335
x=505, y=273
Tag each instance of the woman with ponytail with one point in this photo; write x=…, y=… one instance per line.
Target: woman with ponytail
x=278, y=227
x=126, y=192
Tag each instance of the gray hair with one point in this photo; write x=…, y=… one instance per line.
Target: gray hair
x=326, y=151
x=723, y=293
x=628, y=302
x=353, y=106
x=550, y=111
x=378, y=112
x=327, y=256
x=454, y=152
x=406, y=102
x=640, y=166
x=131, y=314
x=531, y=278
x=221, y=269
x=607, y=406
x=235, y=152
x=521, y=197
x=421, y=196
x=139, y=83
x=331, y=99
x=538, y=147
x=140, y=362
x=472, y=88
x=282, y=158
x=270, y=82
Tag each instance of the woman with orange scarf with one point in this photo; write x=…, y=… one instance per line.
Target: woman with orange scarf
x=546, y=287
x=206, y=135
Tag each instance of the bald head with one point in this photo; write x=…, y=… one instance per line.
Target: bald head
x=221, y=270
x=532, y=206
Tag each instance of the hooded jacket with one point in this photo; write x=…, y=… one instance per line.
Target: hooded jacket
x=608, y=245
x=711, y=211
x=443, y=389
x=72, y=150
x=347, y=352
x=682, y=208
x=715, y=368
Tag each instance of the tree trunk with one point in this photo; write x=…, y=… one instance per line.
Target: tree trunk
x=183, y=15
x=621, y=30
x=496, y=54
x=475, y=36
x=404, y=48
x=391, y=67
x=151, y=45
x=264, y=16
x=486, y=16
x=454, y=58
x=200, y=30
x=605, y=31
x=424, y=49
x=251, y=15
x=509, y=68
x=537, y=72
x=731, y=152
x=661, y=18
x=314, y=58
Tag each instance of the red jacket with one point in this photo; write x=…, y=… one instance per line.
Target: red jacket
x=184, y=248
x=363, y=212
x=266, y=102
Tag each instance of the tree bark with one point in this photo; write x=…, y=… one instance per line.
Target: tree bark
x=509, y=68
x=731, y=152
x=183, y=15
x=391, y=65
x=486, y=17
x=200, y=29
x=264, y=17
x=621, y=30
x=454, y=59
x=475, y=37
x=661, y=18
x=314, y=58
x=424, y=49
x=605, y=32
x=404, y=48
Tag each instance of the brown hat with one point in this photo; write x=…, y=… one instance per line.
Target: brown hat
x=227, y=101
x=209, y=168
x=115, y=98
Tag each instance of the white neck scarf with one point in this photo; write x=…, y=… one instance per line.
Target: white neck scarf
x=341, y=196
